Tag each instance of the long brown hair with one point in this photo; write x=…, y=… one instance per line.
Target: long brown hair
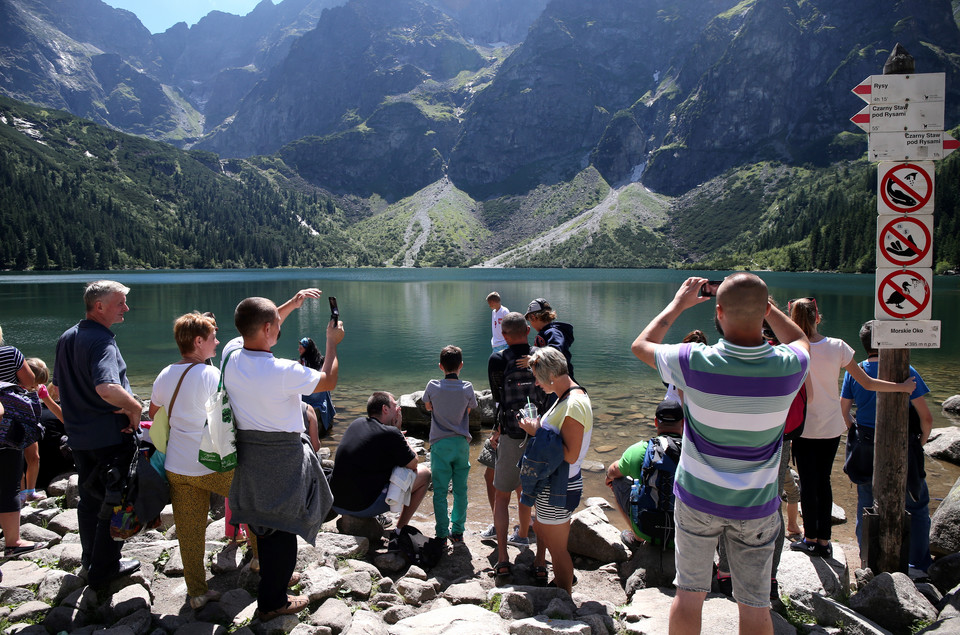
x=803, y=312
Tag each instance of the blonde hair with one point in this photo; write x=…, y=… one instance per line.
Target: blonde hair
x=548, y=363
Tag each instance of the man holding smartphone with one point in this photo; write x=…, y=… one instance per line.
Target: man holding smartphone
x=737, y=394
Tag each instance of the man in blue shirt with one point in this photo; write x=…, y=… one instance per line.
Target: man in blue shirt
x=102, y=421
x=918, y=500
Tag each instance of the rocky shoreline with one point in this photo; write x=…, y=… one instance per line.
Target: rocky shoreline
x=357, y=587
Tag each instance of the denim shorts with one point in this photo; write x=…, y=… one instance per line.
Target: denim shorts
x=750, y=545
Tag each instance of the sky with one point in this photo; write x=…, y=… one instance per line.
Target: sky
x=160, y=15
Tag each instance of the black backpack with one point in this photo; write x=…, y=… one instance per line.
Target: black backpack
x=652, y=495
x=20, y=425
x=519, y=385
x=417, y=548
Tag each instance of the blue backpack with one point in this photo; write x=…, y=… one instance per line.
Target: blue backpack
x=651, y=498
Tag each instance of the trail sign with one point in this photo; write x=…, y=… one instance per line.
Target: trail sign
x=888, y=89
x=910, y=145
x=905, y=241
x=912, y=334
x=898, y=117
x=905, y=188
x=903, y=294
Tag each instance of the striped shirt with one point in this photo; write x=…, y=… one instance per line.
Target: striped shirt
x=11, y=360
x=736, y=400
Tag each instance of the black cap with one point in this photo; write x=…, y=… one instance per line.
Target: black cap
x=669, y=411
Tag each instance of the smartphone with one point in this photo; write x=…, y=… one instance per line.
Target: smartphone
x=709, y=288
x=334, y=310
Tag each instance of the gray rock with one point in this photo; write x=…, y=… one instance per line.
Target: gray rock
x=307, y=629
x=83, y=599
x=129, y=600
x=541, y=625
x=930, y=592
x=340, y=546
x=390, y=562
x=361, y=565
x=466, y=593
x=384, y=601
x=649, y=566
x=592, y=466
x=70, y=556
x=64, y=619
x=893, y=600
x=944, y=445
x=31, y=610
x=279, y=624
x=559, y=610
x=173, y=568
x=455, y=620
x=830, y=611
x=25, y=628
x=358, y=584
x=22, y=573
x=514, y=605
x=65, y=522
x=801, y=576
x=229, y=559
x=945, y=524
x=592, y=535
x=72, y=494
x=58, y=485
x=396, y=613
x=319, y=583
x=599, y=624
x=649, y=609
x=598, y=501
x=944, y=573
x=166, y=518
x=416, y=591
x=57, y=585
x=15, y=595
x=415, y=573
x=368, y=528
x=334, y=613
x=594, y=607
x=386, y=585
x=366, y=623
x=139, y=622
x=837, y=515
x=952, y=404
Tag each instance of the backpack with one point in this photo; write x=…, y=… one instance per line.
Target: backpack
x=519, y=385
x=20, y=426
x=652, y=497
x=796, y=416
x=417, y=548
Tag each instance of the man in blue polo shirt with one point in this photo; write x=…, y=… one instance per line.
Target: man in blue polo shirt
x=102, y=421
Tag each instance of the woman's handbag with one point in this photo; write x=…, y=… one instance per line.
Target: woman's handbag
x=858, y=464
x=160, y=429
x=218, y=444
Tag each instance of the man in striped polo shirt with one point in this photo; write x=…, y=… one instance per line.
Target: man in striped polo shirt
x=736, y=396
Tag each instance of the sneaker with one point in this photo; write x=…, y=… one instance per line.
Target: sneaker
x=490, y=533
x=825, y=551
x=36, y=496
x=384, y=521
x=809, y=548
x=517, y=541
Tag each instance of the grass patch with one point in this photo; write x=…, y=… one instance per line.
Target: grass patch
x=494, y=603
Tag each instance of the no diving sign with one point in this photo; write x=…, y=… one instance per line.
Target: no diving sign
x=903, y=294
x=905, y=188
x=905, y=241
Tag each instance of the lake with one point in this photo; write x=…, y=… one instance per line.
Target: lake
x=397, y=320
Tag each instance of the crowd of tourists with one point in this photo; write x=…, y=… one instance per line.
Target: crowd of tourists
x=713, y=476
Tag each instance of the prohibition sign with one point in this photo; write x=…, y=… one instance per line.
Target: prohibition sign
x=898, y=245
x=891, y=295
x=902, y=192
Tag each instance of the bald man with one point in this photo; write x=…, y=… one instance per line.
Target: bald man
x=736, y=398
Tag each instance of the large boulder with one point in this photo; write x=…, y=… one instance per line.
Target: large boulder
x=465, y=618
x=649, y=566
x=801, y=576
x=945, y=524
x=944, y=444
x=952, y=405
x=592, y=535
x=649, y=611
x=945, y=572
x=416, y=418
x=892, y=599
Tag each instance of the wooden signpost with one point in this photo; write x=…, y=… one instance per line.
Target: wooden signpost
x=904, y=125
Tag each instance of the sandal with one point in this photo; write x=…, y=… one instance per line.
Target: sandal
x=13, y=552
x=294, y=605
x=503, y=570
x=540, y=575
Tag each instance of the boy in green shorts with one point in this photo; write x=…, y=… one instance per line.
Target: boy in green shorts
x=449, y=401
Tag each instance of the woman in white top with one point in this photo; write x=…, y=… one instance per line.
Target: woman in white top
x=571, y=416
x=190, y=482
x=816, y=448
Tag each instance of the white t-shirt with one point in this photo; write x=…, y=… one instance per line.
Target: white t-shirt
x=189, y=413
x=265, y=391
x=498, y=315
x=827, y=359
x=576, y=405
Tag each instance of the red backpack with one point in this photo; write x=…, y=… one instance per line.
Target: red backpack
x=797, y=416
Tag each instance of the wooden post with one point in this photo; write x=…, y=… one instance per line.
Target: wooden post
x=890, y=441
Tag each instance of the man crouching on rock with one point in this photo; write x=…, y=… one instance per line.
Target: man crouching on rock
x=278, y=488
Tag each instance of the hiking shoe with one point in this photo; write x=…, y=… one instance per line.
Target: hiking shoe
x=455, y=539
x=490, y=533
x=809, y=548
x=825, y=551
x=517, y=541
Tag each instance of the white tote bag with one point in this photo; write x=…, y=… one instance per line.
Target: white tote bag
x=218, y=445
